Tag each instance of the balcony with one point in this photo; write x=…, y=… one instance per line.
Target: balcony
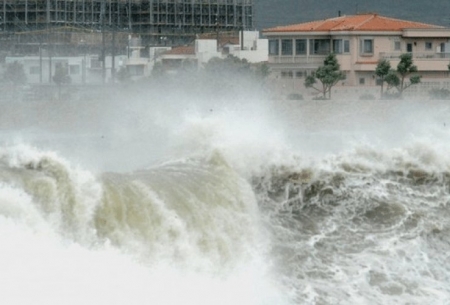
x=426, y=61
x=299, y=60
x=421, y=56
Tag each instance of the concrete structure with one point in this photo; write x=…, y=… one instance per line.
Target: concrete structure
x=86, y=69
x=158, y=22
x=247, y=45
x=250, y=46
x=359, y=42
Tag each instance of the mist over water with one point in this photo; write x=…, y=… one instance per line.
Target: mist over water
x=206, y=194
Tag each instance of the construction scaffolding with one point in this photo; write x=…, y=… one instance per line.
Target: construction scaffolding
x=157, y=22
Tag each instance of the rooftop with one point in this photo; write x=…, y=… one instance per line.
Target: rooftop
x=362, y=22
x=183, y=50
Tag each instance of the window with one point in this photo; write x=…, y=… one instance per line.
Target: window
x=362, y=81
x=341, y=46
x=428, y=46
x=287, y=74
x=366, y=46
x=346, y=46
x=300, y=46
x=397, y=46
x=409, y=47
x=319, y=46
x=337, y=46
x=286, y=47
x=273, y=47
x=299, y=74
x=35, y=70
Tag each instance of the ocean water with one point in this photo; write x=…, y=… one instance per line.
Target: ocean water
x=231, y=200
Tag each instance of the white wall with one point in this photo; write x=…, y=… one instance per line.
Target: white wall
x=155, y=52
x=259, y=53
x=205, y=49
x=81, y=68
x=250, y=38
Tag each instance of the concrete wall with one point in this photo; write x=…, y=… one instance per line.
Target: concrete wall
x=81, y=69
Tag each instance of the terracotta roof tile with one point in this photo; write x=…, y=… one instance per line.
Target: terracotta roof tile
x=364, y=22
x=230, y=40
x=184, y=50
x=224, y=38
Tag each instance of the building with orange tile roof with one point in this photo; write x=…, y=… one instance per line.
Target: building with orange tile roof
x=359, y=42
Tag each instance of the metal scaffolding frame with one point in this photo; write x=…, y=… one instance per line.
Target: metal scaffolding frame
x=156, y=21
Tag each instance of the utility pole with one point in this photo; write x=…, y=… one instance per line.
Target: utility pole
x=4, y=16
x=217, y=31
x=242, y=38
x=40, y=62
x=49, y=44
x=102, y=13
x=49, y=64
x=113, y=54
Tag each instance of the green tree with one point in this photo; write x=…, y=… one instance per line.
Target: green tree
x=15, y=73
x=382, y=70
x=61, y=76
x=405, y=68
x=329, y=75
x=232, y=66
x=262, y=71
x=228, y=65
x=221, y=76
x=189, y=65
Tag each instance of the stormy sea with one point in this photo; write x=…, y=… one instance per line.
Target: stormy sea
x=150, y=198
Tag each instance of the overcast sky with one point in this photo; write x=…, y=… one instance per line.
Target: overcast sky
x=270, y=13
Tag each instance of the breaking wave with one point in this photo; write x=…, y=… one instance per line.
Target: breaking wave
x=257, y=203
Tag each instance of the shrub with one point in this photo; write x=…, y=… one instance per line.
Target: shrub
x=367, y=96
x=439, y=94
x=392, y=96
x=295, y=97
x=319, y=98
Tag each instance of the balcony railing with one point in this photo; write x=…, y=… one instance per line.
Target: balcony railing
x=315, y=60
x=415, y=55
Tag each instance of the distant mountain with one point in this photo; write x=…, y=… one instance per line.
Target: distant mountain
x=270, y=13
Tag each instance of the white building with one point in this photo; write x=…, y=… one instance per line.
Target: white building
x=81, y=69
x=247, y=46
x=250, y=47
x=359, y=42
x=88, y=68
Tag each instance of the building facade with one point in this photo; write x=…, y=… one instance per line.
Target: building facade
x=359, y=42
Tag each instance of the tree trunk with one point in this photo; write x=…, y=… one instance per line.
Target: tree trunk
x=402, y=87
x=381, y=93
